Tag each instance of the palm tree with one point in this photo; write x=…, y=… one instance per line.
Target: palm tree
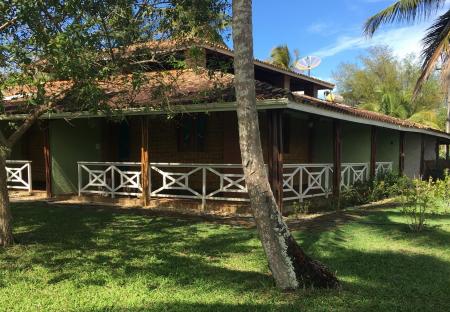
x=436, y=43
x=281, y=56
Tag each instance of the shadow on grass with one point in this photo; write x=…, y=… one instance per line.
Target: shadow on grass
x=121, y=246
x=72, y=237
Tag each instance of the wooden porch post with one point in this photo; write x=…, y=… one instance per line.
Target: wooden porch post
x=337, y=129
x=275, y=154
x=145, y=174
x=401, y=160
x=447, y=151
x=422, y=155
x=47, y=159
x=373, y=151
x=312, y=121
x=436, y=149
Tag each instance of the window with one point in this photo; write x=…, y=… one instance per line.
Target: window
x=192, y=133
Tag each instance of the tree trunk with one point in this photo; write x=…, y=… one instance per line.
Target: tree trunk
x=6, y=237
x=447, y=121
x=290, y=266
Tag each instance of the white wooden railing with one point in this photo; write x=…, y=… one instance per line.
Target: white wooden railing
x=109, y=178
x=383, y=167
x=302, y=181
x=198, y=181
x=353, y=173
x=18, y=175
x=213, y=181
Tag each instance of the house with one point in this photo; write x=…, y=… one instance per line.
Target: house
x=188, y=147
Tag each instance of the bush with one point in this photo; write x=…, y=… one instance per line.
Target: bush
x=383, y=186
x=443, y=191
x=419, y=201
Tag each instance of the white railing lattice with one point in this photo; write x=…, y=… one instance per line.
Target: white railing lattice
x=18, y=174
x=213, y=181
x=383, y=167
x=109, y=178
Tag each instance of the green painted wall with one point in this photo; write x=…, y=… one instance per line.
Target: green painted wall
x=323, y=142
x=355, y=143
x=79, y=140
x=388, y=142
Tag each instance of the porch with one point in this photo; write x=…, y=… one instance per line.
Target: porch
x=196, y=156
x=213, y=182
x=202, y=182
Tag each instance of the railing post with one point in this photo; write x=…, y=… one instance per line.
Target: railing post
x=203, y=188
x=30, y=179
x=327, y=181
x=113, y=182
x=300, y=186
x=79, y=180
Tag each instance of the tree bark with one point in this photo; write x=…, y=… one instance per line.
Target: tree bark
x=447, y=121
x=290, y=266
x=6, y=235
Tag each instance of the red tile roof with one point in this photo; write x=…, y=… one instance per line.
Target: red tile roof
x=176, y=87
x=175, y=45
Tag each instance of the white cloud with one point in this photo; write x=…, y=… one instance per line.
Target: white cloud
x=317, y=27
x=403, y=41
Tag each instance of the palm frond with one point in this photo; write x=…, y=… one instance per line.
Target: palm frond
x=402, y=11
x=428, y=118
x=281, y=56
x=436, y=42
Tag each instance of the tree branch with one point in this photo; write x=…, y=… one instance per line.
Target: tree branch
x=29, y=121
x=7, y=24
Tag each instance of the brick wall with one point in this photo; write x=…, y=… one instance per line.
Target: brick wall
x=221, y=142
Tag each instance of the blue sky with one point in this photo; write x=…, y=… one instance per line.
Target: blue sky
x=331, y=29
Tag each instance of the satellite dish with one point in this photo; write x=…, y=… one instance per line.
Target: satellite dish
x=308, y=63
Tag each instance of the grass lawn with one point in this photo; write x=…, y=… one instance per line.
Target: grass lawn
x=81, y=258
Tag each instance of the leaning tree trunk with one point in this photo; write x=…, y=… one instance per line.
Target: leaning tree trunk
x=447, y=120
x=6, y=236
x=290, y=266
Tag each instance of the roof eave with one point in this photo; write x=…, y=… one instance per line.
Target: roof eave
x=325, y=84
x=308, y=108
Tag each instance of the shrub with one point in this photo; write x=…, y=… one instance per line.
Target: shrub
x=443, y=191
x=383, y=186
x=419, y=200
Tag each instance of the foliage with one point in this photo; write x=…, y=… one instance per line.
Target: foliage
x=443, y=191
x=95, y=258
x=301, y=207
x=386, y=185
x=86, y=42
x=436, y=41
x=419, y=198
x=385, y=84
x=282, y=56
x=61, y=54
x=206, y=19
x=419, y=201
